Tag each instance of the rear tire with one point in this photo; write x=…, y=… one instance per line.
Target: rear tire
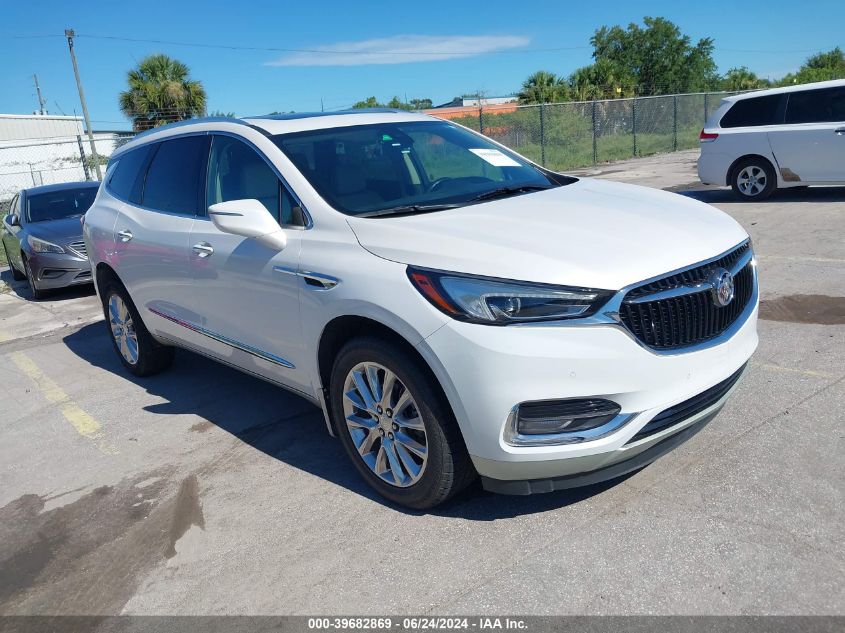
x=136, y=348
x=384, y=444
x=753, y=179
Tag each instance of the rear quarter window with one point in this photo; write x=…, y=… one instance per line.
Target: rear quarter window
x=127, y=177
x=753, y=112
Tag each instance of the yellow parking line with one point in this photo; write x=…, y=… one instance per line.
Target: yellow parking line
x=82, y=422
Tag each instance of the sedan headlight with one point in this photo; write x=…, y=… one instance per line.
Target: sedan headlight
x=43, y=246
x=500, y=301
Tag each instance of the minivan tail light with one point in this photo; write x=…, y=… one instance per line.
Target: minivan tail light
x=707, y=137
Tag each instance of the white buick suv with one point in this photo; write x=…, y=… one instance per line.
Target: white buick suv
x=454, y=309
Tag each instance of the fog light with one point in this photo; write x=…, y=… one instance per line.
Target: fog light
x=563, y=421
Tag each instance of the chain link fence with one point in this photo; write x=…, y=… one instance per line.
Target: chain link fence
x=33, y=163
x=564, y=136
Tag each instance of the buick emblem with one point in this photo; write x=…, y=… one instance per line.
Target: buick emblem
x=722, y=284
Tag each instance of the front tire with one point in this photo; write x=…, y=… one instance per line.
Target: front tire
x=37, y=293
x=396, y=426
x=753, y=179
x=16, y=274
x=136, y=348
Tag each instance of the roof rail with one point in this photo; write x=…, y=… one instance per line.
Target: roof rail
x=206, y=119
x=308, y=115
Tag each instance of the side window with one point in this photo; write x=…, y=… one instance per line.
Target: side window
x=816, y=106
x=174, y=176
x=753, y=112
x=238, y=172
x=127, y=178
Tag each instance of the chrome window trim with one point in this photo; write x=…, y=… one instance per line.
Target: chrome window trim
x=608, y=314
x=220, y=338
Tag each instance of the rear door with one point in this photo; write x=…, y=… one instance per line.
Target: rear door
x=152, y=235
x=246, y=295
x=810, y=146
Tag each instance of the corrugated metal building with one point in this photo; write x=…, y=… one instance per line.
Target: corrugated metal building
x=24, y=127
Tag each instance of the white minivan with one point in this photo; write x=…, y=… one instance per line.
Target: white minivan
x=784, y=137
x=454, y=309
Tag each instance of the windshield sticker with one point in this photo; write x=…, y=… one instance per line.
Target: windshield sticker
x=495, y=157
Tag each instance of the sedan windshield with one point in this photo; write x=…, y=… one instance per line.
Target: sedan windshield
x=56, y=205
x=404, y=168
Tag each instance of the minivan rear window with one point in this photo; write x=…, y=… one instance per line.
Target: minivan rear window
x=753, y=112
x=816, y=106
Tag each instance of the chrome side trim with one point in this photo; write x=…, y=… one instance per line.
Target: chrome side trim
x=249, y=349
x=680, y=291
x=321, y=281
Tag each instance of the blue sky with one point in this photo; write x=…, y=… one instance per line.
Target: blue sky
x=508, y=37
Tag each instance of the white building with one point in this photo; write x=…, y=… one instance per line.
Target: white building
x=40, y=149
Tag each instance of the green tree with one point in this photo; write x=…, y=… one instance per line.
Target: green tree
x=161, y=91
x=601, y=80
x=421, y=104
x=369, y=102
x=543, y=87
x=656, y=58
x=819, y=67
x=224, y=115
x=742, y=79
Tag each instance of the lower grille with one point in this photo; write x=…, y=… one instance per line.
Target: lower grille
x=688, y=408
x=78, y=249
x=683, y=312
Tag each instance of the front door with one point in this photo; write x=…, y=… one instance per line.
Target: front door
x=246, y=295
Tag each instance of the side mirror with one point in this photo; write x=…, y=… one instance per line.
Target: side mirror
x=12, y=220
x=248, y=218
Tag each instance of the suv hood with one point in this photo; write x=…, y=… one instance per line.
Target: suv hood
x=591, y=233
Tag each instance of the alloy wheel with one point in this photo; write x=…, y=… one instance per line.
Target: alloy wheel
x=751, y=180
x=123, y=329
x=385, y=424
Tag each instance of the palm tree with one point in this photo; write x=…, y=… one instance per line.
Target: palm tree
x=161, y=91
x=542, y=87
x=741, y=79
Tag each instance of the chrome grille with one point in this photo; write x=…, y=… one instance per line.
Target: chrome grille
x=683, y=312
x=78, y=249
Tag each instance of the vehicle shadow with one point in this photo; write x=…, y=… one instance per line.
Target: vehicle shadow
x=21, y=288
x=295, y=433
x=807, y=194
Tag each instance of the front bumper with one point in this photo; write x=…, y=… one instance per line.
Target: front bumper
x=59, y=270
x=486, y=371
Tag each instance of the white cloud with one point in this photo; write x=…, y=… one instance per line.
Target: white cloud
x=401, y=49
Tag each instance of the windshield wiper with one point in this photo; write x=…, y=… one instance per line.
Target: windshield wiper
x=408, y=209
x=507, y=191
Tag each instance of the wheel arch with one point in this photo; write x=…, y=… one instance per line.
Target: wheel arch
x=342, y=329
x=770, y=161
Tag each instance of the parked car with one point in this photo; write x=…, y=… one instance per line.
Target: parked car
x=454, y=309
x=785, y=137
x=42, y=236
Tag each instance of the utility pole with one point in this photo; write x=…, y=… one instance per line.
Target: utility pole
x=69, y=34
x=41, y=100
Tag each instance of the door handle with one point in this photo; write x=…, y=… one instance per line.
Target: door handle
x=125, y=235
x=839, y=131
x=203, y=249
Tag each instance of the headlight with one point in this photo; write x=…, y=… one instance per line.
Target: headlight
x=43, y=246
x=499, y=301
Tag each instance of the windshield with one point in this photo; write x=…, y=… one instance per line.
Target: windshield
x=392, y=168
x=56, y=205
